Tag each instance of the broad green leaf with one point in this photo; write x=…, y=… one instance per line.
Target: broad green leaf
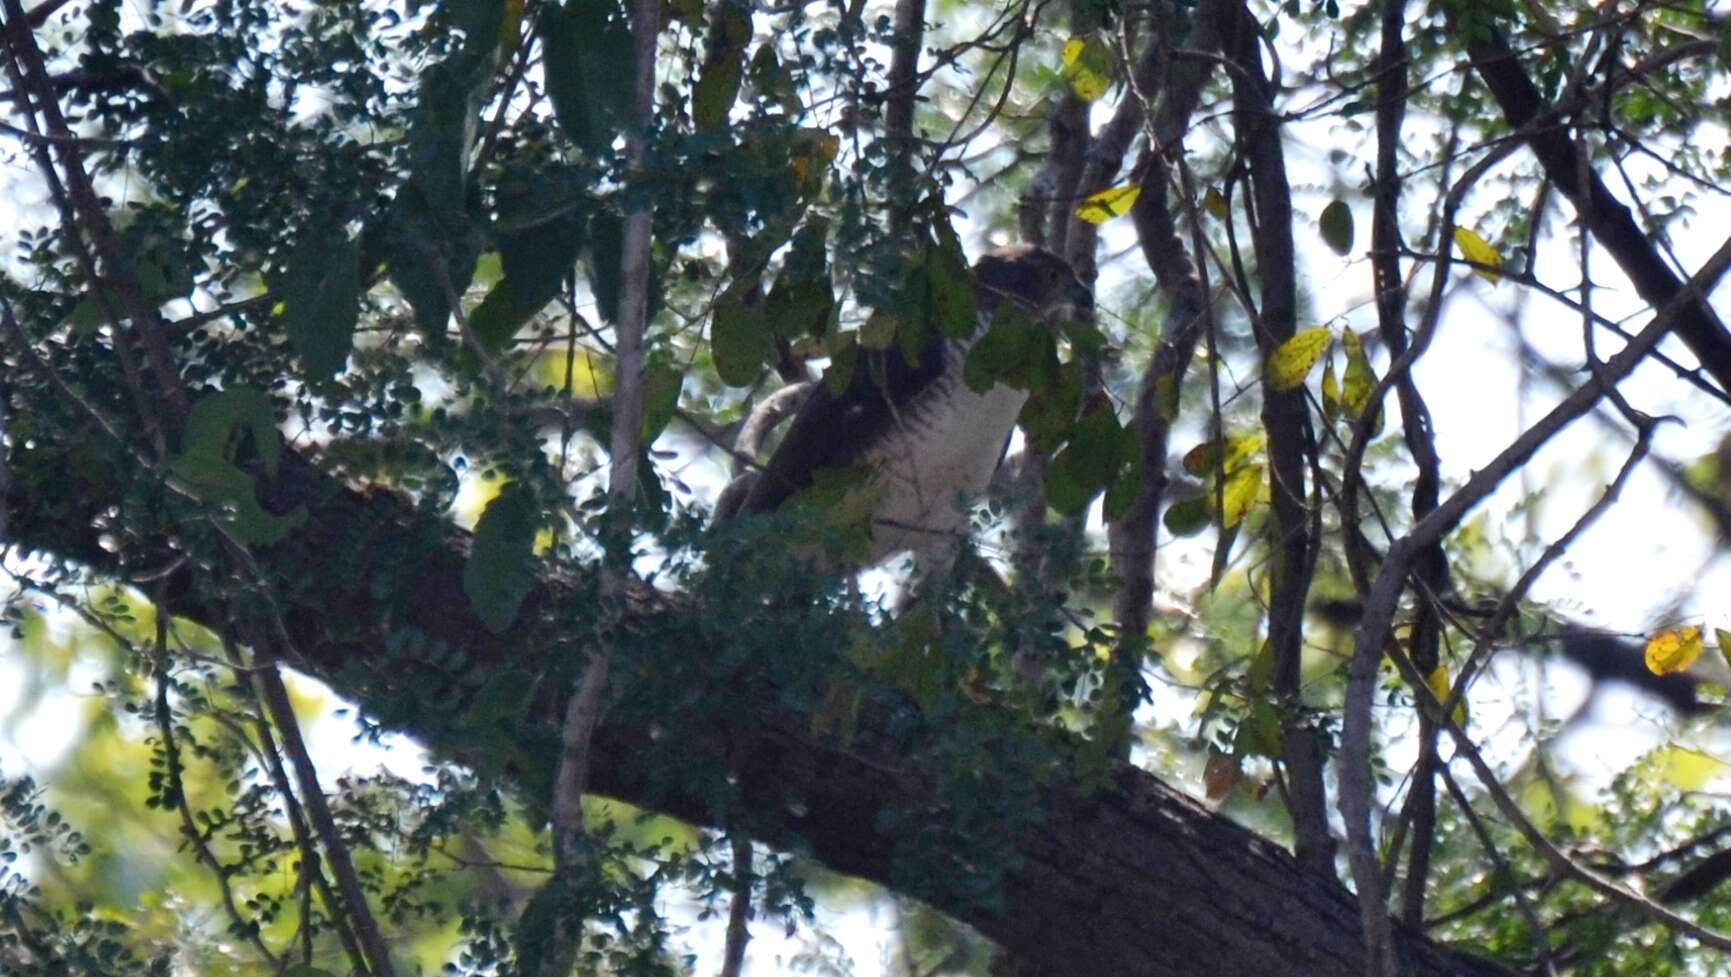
x=1098, y=449
x=207, y=469
x=802, y=300
x=1479, y=251
x=1114, y=202
x=1724, y=638
x=1187, y=517
x=1336, y=225
x=1673, y=649
x=878, y=332
x=536, y=250
x=421, y=241
x=843, y=361
x=1121, y=492
x=321, y=299
x=1291, y=361
x=951, y=298
x=723, y=67
x=589, y=64
x=661, y=385
x=739, y=337
x=215, y=418
x=773, y=82
x=606, y=244
x=1088, y=66
x=1005, y=353
x=1054, y=395
x=501, y=566
x=216, y=481
x=503, y=700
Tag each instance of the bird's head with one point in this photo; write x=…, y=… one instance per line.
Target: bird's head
x=1037, y=280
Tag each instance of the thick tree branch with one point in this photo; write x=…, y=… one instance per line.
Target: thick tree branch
x=1606, y=217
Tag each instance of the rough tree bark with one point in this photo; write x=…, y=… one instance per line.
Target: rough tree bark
x=1128, y=878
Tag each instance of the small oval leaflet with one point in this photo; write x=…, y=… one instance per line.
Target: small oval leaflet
x=1673, y=649
x=1109, y=203
x=1479, y=251
x=1336, y=225
x=1291, y=361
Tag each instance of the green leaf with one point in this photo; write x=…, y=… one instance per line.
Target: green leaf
x=1336, y=224
x=306, y=970
x=952, y=301
x=1090, y=462
x=1121, y=492
x=503, y=700
x=723, y=67
x=215, y=481
x=1054, y=397
x=1187, y=517
x=606, y=244
x=661, y=385
x=321, y=299
x=843, y=361
x=501, y=566
x=773, y=82
x=589, y=64
x=215, y=417
x=206, y=467
x=739, y=336
x=536, y=256
x=1007, y=353
x=802, y=301
x=878, y=332
x=1291, y=361
x=421, y=240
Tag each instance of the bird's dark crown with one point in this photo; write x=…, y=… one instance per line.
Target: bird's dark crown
x=1034, y=278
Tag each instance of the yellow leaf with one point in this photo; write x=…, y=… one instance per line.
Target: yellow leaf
x=1107, y=204
x=1688, y=769
x=1479, y=251
x=1673, y=649
x=1438, y=680
x=1356, y=385
x=1291, y=361
x=1724, y=638
x=1214, y=203
x=587, y=379
x=1088, y=66
x=1242, y=490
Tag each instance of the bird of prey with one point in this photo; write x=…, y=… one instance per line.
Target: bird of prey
x=927, y=443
